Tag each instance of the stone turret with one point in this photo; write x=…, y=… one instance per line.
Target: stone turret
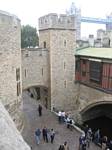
x=59, y=22
x=8, y=19
x=10, y=65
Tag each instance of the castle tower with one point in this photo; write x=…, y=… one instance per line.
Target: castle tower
x=57, y=34
x=10, y=65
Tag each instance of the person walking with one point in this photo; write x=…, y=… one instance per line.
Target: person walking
x=86, y=129
x=59, y=116
x=37, y=136
x=45, y=134
x=104, y=142
x=84, y=143
x=63, y=116
x=97, y=137
x=52, y=135
x=40, y=110
x=89, y=137
x=81, y=139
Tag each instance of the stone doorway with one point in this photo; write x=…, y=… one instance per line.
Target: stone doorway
x=40, y=93
x=99, y=117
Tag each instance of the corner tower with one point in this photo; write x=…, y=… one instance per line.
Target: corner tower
x=57, y=34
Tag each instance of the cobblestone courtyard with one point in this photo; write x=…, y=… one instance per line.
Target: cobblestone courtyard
x=48, y=119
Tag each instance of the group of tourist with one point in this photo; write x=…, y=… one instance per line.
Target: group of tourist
x=84, y=140
x=61, y=116
x=47, y=134
x=65, y=118
x=88, y=136
x=105, y=143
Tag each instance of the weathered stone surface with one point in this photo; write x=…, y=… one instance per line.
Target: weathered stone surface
x=10, y=138
x=59, y=35
x=88, y=98
x=91, y=97
x=10, y=60
x=35, y=69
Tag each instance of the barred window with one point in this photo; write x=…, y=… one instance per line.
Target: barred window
x=65, y=43
x=18, y=88
x=17, y=74
x=95, y=71
x=42, y=71
x=44, y=44
x=83, y=73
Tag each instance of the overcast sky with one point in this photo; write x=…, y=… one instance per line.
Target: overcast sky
x=30, y=10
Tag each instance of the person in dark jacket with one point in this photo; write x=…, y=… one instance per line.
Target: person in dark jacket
x=40, y=110
x=45, y=134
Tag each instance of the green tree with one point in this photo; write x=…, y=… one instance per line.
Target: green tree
x=29, y=37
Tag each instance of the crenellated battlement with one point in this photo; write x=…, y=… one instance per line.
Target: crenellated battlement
x=53, y=21
x=8, y=19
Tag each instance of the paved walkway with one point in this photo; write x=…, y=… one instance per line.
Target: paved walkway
x=48, y=119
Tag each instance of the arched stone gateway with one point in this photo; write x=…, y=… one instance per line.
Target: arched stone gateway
x=89, y=99
x=99, y=116
x=41, y=93
x=96, y=110
x=35, y=68
x=35, y=74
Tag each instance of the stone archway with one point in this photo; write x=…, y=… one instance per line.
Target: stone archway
x=40, y=93
x=99, y=116
x=87, y=111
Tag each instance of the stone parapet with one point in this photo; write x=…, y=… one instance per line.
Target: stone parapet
x=53, y=21
x=8, y=19
x=10, y=138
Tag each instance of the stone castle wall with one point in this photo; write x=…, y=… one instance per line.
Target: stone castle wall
x=10, y=60
x=35, y=69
